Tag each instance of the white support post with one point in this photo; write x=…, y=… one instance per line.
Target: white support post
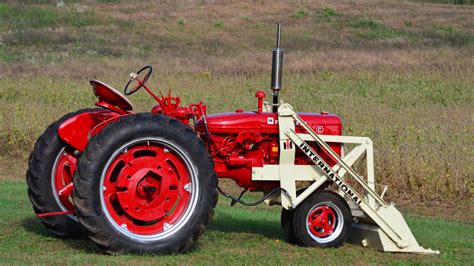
x=287, y=158
x=370, y=171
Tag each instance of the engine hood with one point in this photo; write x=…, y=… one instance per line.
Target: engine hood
x=267, y=123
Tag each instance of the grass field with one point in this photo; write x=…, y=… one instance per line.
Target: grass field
x=401, y=73
x=237, y=235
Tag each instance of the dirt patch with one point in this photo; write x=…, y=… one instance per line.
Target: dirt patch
x=12, y=168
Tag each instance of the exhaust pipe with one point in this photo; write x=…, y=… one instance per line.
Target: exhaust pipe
x=277, y=65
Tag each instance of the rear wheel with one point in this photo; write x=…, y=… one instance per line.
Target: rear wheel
x=145, y=184
x=323, y=220
x=287, y=226
x=51, y=167
x=286, y=220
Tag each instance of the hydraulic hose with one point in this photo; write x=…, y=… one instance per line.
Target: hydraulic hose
x=238, y=200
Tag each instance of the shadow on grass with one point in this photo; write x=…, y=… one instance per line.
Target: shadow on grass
x=33, y=225
x=226, y=223
x=223, y=222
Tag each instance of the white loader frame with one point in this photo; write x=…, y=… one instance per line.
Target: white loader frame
x=376, y=223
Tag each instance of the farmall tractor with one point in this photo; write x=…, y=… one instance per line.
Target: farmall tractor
x=148, y=182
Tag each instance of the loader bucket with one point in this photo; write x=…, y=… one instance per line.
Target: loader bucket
x=368, y=234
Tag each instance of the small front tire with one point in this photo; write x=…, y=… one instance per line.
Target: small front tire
x=323, y=220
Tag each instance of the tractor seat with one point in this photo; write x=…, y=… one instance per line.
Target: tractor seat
x=109, y=95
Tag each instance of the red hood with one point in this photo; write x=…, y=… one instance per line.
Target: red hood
x=267, y=123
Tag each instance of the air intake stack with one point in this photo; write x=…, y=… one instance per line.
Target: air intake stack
x=277, y=65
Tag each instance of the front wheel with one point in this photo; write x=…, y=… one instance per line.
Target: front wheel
x=145, y=184
x=323, y=220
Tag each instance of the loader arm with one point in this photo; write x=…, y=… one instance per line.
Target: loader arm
x=383, y=228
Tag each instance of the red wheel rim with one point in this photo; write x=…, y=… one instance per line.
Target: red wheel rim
x=146, y=188
x=64, y=169
x=322, y=221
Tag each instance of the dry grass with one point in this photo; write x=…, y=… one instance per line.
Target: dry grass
x=400, y=73
x=333, y=34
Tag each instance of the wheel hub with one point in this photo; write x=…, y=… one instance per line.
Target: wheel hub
x=143, y=192
x=145, y=188
x=321, y=221
x=149, y=185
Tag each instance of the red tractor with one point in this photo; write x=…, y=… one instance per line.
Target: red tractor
x=147, y=182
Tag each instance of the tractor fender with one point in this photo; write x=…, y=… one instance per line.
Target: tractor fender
x=77, y=130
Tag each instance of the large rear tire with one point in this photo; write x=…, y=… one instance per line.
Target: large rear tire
x=50, y=169
x=145, y=184
x=287, y=226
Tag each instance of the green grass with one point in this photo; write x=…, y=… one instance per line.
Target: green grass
x=236, y=235
x=370, y=28
x=446, y=35
x=329, y=12
x=22, y=17
x=299, y=14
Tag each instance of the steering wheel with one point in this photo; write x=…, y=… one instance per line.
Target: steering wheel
x=134, y=76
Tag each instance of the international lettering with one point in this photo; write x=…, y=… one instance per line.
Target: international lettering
x=330, y=173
